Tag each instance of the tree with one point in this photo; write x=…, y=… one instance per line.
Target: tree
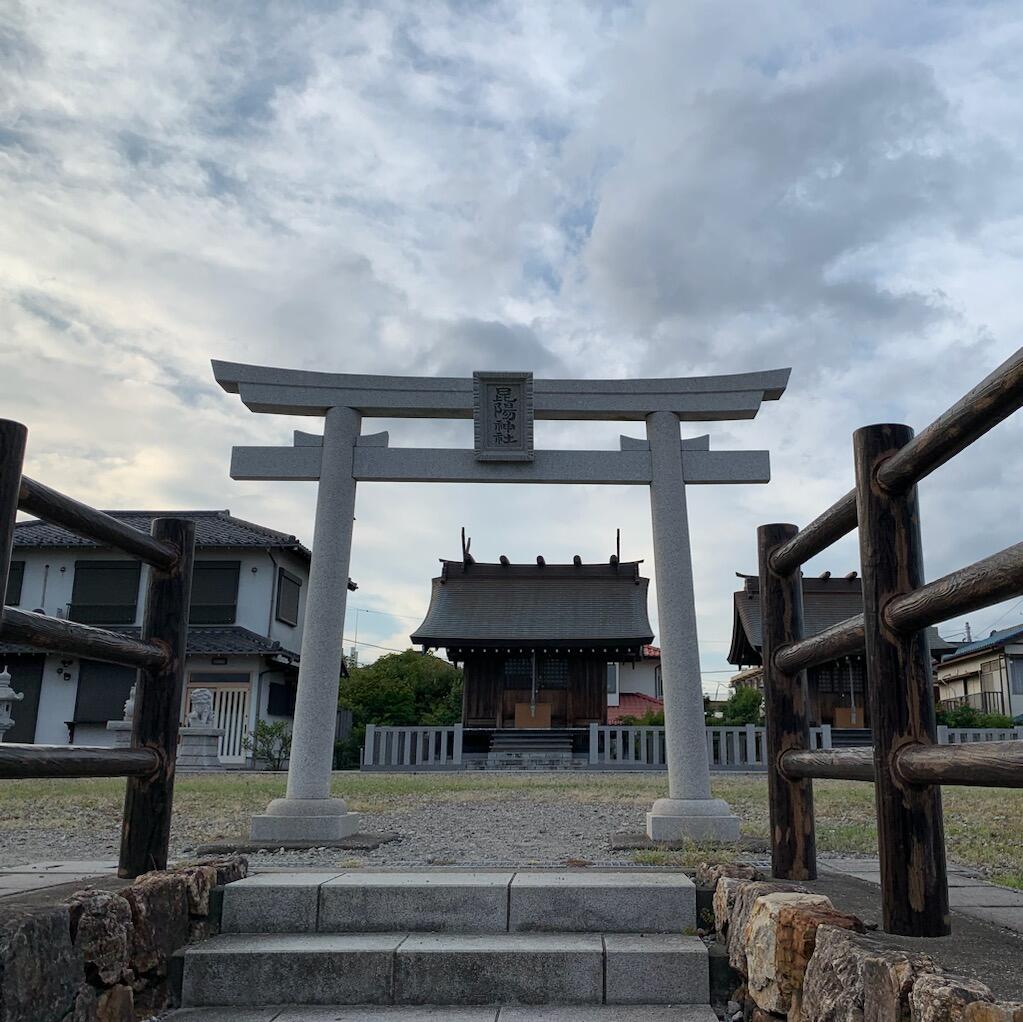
x=399, y=689
x=744, y=706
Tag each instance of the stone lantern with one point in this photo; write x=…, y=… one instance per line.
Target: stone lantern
x=7, y=698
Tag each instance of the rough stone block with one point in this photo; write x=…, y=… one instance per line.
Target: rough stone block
x=511, y=968
x=247, y=970
x=768, y=949
x=724, y=900
x=742, y=907
x=1003, y=1011
x=463, y=902
x=84, y=1009
x=116, y=1005
x=101, y=930
x=159, y=915
x=708, y=873
x=855, y=978
x=274, y=903
x=938, y=998
x=229, y=868
x=655, y=969
x=40, y=970
x=602, y=902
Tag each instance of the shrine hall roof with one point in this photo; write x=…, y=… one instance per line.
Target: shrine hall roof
x=558, y=606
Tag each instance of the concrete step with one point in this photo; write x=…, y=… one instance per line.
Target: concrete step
x=443, y=1013
x=252, y=970
x=461, y=902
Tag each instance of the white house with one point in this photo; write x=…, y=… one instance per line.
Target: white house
x=986, y=674
x=245, y=626
x=634, y=689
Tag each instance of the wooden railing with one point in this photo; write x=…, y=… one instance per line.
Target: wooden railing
x=159, y=655
x=906, y=764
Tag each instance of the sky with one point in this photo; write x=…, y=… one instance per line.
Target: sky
x=581, y=189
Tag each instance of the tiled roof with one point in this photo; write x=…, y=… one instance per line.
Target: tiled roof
x=528, y=604
x=995, y=639
x=826, y=602
x=212, y=529
x=633, y=704
x=203, y=640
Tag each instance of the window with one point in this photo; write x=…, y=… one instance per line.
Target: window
x=214, y=593
x=105, y=592
x=552, y=673
x=14, y=581
x=102, y=691
x=658, y=683
x=612, y=679
x=288, y=589
x=1016, y=676
x=518, y=672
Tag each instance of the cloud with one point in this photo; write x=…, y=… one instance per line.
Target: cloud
x=580, y=189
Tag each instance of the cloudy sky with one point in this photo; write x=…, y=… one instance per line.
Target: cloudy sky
x=592, y=189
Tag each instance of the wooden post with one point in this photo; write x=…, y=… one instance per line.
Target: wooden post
x=145, y=833
x=12, y=455
x=911, y=842
x=793, y=838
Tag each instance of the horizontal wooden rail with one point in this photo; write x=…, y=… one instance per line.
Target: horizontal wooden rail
x=75, y=761
x=60, y=636
x=975, y=764
x=841, y=639
x=995, y=398
x=978, y=585
x=825, y=529
x=52, y=506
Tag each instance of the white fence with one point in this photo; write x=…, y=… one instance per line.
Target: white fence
x=413, y=747
x=958, y=736
x=728, y=748
x=619, y=748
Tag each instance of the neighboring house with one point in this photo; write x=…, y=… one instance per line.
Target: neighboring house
x=249, y=585
x=542, y=645
x=835, y=689
x=634, y=688
x=986, y=674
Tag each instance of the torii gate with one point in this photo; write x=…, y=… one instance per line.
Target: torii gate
x=503, y=406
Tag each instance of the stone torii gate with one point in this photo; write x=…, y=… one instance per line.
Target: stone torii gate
x=503, y=407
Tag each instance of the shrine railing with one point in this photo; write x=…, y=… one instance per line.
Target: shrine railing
x=159, y=655
x=906, y=763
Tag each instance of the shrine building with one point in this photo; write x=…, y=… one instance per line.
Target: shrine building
x=541, y=645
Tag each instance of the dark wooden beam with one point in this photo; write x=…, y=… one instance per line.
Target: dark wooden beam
x=793, y=837
x=53, y=633
x=74, y=761
x=827, y=528
x=13, y=436
x=837, y=764
x=911, y=840
x=148, y=800
x=840, y=639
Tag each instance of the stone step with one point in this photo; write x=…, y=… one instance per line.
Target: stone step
x=252, y=970
x=461, y=902
x=443, y=1013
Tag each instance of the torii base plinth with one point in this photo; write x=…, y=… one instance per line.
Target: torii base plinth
x=692, y=819
x=305, y=819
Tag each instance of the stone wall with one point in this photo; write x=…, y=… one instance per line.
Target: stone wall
x=104, y=956
x=797, y=957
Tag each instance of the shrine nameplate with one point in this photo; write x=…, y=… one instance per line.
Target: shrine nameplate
x=503, y=416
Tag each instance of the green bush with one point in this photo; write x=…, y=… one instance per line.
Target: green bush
x=968, y=716
x=652, y=718
x=744, y=706
x=269, y=743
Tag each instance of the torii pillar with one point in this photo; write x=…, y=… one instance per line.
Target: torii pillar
x=503, y=406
